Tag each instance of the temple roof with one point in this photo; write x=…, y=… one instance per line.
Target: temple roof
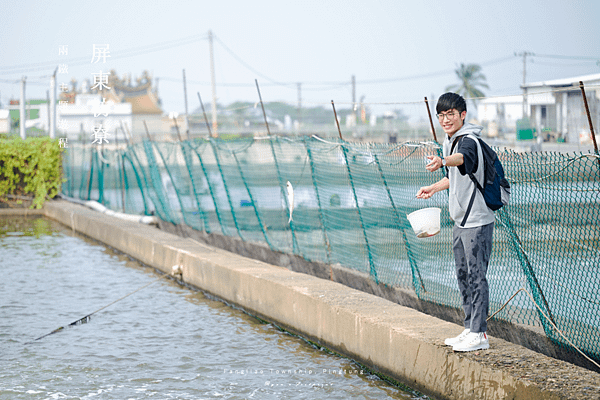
x=142, y=96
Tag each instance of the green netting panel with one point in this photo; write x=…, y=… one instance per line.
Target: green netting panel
x=305, y=234
x=398, y=173
x=155, y=180
x=136, y=200
x=108, y=176
x=351, y=202
x=196, y=215
x=345, y=239
x=256, y=183
x=86, y=174
x=555, y=234
x=205, y=181
x=229, y=188
x=176, y=162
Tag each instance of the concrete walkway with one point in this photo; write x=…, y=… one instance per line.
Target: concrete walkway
x=396, y=341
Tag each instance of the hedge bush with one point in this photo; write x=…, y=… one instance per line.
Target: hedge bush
x=30, y=167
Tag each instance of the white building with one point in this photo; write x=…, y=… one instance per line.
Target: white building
x=557, y=106
x=554, y=108
x=40, y=109
x=501, y=113
x=88, y=114
x=4, y=121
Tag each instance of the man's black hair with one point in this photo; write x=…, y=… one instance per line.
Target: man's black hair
x=450, y=100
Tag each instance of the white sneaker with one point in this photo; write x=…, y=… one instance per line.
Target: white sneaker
x=456, y=340
x=473, y=341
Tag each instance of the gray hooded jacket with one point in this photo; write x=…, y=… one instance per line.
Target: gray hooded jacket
x=461, y=186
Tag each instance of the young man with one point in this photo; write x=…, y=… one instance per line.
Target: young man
x=471, y=236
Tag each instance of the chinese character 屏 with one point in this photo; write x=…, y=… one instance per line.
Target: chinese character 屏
x=100, y=52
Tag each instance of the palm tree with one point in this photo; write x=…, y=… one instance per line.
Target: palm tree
x=471, y=81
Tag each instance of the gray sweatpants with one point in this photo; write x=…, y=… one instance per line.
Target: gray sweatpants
x=472, y=248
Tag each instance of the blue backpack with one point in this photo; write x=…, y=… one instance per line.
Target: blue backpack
x=495, y=189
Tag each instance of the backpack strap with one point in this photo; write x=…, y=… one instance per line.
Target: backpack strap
x=472, y=175
x=471, y=201
x=452, y=149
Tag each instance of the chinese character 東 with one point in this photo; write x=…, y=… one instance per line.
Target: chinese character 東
x=100, y=80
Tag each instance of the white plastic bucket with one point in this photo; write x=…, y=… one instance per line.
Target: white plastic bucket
x=425, y=222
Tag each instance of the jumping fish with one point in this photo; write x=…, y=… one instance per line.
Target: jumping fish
x=290, y=197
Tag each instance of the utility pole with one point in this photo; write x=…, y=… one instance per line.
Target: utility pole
x=213, y=85
x=524, y=54
x=187, y=120
x=22, y=112
x=299, y=104
x=52, y=105
x=48, y=107
x=353, y=100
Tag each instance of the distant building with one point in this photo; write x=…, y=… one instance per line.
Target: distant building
x=144, y=100
x=500, y=113
x=36, y=111
x=88, y=113
x=131, y=103
x=557, y=107
x=4, y=121
x=83, y=110
x=553, y=108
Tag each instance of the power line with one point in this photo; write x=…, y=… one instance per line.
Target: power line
x=328, y=86
x=246, y=65
x=497, y=61
x=558, y=64
x=30, y=81
x=75, y=61
x=567, y=57
x=335, y=84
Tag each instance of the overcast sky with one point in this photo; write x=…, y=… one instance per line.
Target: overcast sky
x=399, y=51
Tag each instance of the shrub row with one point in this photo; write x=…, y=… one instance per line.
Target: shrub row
x=30, y=168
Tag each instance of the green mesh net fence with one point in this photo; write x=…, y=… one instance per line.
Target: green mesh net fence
x=351, y=202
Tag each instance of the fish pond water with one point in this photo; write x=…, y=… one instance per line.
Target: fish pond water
x=165, y=341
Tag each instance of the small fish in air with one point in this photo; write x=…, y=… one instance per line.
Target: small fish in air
x=290, y=196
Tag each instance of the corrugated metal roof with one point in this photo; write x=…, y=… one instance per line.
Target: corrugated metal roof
x=564, y=81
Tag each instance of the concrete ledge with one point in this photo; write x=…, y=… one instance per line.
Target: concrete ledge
x=531, y=337
x=397, y=341
x=20, y=211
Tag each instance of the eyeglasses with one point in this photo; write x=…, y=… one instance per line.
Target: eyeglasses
x=450, y=116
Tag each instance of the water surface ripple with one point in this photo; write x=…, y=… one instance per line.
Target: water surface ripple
x=164, y=342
